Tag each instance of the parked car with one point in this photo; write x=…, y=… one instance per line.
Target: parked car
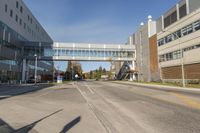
x=32, y=79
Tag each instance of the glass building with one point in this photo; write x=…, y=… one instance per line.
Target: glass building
x=18, y=29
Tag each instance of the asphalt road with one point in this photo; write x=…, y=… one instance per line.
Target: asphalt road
x=100, y=107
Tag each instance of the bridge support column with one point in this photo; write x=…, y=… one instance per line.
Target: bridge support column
x=132, y=75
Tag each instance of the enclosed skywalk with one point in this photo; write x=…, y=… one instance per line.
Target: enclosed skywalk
x=81, y=52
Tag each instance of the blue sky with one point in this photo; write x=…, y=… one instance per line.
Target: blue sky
x=95, y=21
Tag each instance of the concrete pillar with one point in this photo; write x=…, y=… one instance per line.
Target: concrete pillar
x=177, y=11
x=163, y=24
x=188, y=6
x=24, y=70
x=4, y=34
x=134, y=68
x=0, y=47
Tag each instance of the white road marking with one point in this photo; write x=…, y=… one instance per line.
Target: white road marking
x=91, y=107
x=90, y=89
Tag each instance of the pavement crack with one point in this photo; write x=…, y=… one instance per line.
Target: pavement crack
x=109, y=128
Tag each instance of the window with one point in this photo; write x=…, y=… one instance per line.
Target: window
x=198, y=46
x=176, y=55
x=28, y=18
x=162, y=58
x=161, y=42
x=6, y=8
x=20, y=21
x=190, y=29
x=24, y=25
x=16, y=18
x=11, y=13
x=17, y=4
x=192, y=47
x=168, y=38
x=167, y=21
x=182, y=11
x=21, y=9
x=184, y=31
x=187, y=49
x=169, y=56
x=173, y=17
x=196, y=25
x=170, y=19
x=9, y=37
x=31, y=21
x=178, y=33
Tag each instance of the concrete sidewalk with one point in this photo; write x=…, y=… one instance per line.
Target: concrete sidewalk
x=7, y=91
x=164, y=87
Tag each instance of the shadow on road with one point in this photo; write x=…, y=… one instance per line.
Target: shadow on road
x=6, y=128
x=70, y=125
x=15, y=90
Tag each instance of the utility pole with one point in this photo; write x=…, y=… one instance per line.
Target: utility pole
x=181, y=59
x=35, y=68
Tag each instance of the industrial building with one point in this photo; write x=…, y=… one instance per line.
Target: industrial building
x=178, y=40
x=168, y=49
x=18, y=28
x=145, y=41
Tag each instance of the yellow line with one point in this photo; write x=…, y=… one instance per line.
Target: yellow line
x=187, y=100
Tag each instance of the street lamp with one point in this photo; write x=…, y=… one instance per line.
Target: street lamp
x=35, y=68
x=141, y=51
x=76, y=76
x=182, y=57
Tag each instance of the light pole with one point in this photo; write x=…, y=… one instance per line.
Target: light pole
x=161, y=77
x=76, y=76
x=141, y=52
x=182, y=57
x=35, y=68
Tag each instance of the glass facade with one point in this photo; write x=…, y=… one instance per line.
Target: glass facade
x=12, y=53
x=12, y=44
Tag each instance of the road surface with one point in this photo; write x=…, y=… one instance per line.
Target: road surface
x=99, y=107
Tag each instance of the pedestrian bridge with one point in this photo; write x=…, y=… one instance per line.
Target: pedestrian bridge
x=81, y=52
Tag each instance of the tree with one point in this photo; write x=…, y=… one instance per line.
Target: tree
x=73, y=68
x=104, y=71
x=100, y=70
x=91, y=75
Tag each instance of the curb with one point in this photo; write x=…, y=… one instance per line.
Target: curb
x=164, y=87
